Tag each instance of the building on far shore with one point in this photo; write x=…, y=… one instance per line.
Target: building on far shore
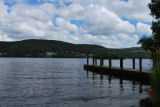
x=1, y=54
x=49, y=54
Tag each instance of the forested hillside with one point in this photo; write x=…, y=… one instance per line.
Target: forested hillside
x=52, y=48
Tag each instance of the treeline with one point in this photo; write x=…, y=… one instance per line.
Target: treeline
x=52, y=48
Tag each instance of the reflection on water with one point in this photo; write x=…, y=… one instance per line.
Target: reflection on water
x=126, y=89
x=120, y=82
x=63, y=83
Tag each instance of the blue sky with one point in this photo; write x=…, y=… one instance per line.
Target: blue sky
x=125, y=0
x=113, y=24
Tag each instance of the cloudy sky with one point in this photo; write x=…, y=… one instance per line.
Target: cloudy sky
x=110, y=23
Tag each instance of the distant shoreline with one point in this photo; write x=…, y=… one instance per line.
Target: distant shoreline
x=68, y=57
x=57, y=49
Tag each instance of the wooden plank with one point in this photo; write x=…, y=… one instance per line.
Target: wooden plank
x=128, y=69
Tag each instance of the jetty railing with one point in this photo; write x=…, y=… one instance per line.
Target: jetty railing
x=94, y=62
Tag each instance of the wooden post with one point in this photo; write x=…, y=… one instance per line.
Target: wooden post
x=93, y=61
x=110, y=63
x=101, y=62
x=133, y=61
x=87, y=61
x=140, y=64
x=121, y=63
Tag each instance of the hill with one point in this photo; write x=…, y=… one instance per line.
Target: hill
x=53, y=48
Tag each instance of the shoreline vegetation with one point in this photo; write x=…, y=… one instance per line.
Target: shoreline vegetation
x=152, y=45
x=37, y=48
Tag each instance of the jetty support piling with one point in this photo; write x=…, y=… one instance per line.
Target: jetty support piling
x=133, y=61
x=93, y=59
x=101, y=62
x=140, y=64
x=87, y=60
x=121, y=63
x=110, y=63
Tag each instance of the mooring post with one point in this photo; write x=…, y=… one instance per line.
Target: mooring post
x=133, y=61
x=93, y=61
x=140, y=64
x=121, y=63
x=101, y=62
x=110, y=63
x=87, y=60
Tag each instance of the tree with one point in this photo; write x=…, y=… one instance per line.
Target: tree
x=155, y=12
x=155, y=8
x=147, y=44
x=153, y=44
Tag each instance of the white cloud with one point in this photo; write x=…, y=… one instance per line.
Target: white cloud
x=143, y=28
x=29, y=21
x=66, y=24
x=41, y=13
x=102, y=23
x=97, y=20
x=133, y=9
x=4, y=20
x=5, y=38
x=124, y=37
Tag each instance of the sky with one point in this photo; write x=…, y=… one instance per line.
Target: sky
x=109, y=23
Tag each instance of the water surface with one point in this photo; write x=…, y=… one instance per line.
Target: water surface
x=49, y=82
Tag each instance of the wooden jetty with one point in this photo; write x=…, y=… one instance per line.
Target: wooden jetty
x=125, y=73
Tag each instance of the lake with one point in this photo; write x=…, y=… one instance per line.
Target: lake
x=62, y=82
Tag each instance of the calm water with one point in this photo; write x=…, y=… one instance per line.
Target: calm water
x=51, y=82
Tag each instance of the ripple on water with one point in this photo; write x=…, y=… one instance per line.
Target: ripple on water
x=62, y=82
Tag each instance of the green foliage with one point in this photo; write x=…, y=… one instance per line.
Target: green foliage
x=155, y=84
x=156, y=32
x=153, y=45
x=147, y=43
x=155, y=12
x=155, y=8
x=38, y=48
